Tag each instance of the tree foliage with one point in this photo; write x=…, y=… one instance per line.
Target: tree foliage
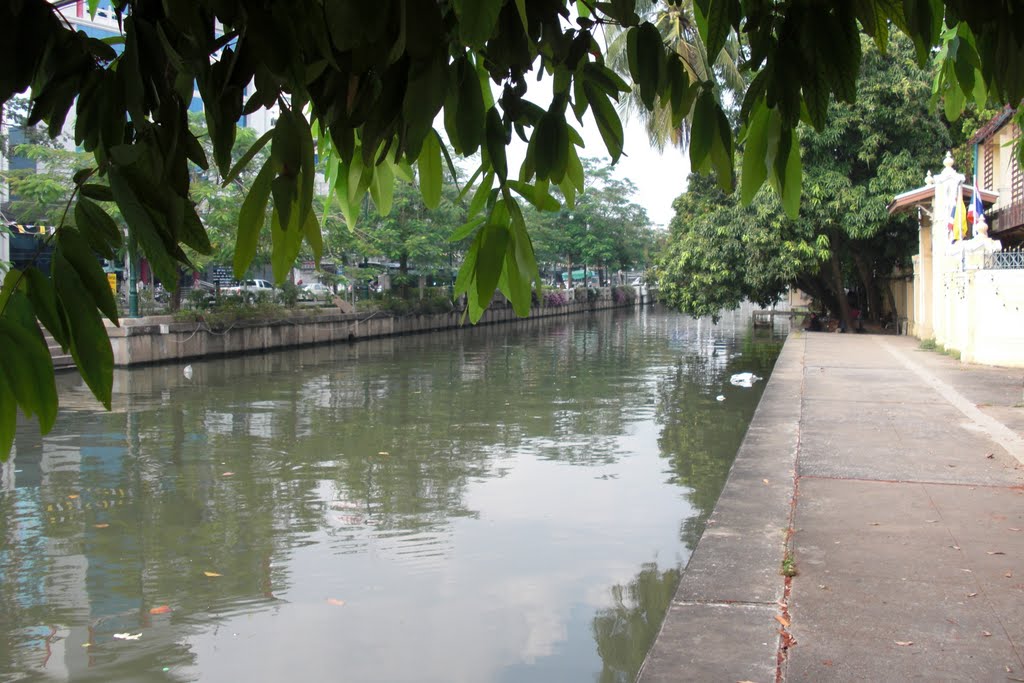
x=605, y=228
x=361, y=83
x=721, y=252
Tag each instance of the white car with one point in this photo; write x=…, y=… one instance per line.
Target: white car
x=317, y=290
x=250, y=289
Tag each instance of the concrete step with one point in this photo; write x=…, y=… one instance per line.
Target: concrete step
x=61, y=360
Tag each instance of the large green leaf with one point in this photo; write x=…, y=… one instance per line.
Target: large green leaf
x=496, y=142
x=702, y=130
x=429, y=166
x=382, y=188
x=8, y=413
x=477, y=19
x=286, y=242
x=608, y=123
x=146, y=223
x=650, y=58
x=314, y=238
x=469, y=116
x=755, y=168
x=27, y=365
x=490, y=259
x=543, y=201
x=97, y=227
x=482, y=195
x=43, y=296
x=90, y=345
x=73, y=247
x=792, y=182
x=251, y=217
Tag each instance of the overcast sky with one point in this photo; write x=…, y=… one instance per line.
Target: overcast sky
x=659, y=177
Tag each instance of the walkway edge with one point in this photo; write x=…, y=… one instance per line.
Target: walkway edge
x=724, y=622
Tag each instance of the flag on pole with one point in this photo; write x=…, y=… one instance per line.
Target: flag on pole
x=961, y=218
x=951, y=224
x=957, y=226
x=976, y=211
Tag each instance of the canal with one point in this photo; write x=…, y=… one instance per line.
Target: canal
x=511, y=504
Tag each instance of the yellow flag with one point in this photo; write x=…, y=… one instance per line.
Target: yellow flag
x=960, y=222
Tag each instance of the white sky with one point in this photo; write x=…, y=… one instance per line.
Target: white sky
x=659, y=177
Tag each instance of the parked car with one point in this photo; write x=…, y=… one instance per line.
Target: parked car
x=316, y=291
x=251, y=289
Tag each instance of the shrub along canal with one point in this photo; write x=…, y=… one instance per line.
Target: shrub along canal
x=510, y=503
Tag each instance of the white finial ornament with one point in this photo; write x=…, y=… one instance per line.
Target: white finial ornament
x=948, y=161
x=981, y=227
x=928, y=179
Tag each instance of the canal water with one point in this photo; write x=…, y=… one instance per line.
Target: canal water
x=510, y=503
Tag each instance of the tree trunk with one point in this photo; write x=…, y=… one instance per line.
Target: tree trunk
x=837, y=284
x=818, y=290
x=892, y=305
x=867, y=279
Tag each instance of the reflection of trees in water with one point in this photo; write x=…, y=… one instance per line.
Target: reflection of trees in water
x=701, y=435
x=625, y=631
x=396, y=436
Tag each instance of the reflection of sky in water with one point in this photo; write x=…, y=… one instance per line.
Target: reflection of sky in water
x=471, y=499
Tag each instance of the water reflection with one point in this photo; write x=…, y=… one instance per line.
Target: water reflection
x=460, y=506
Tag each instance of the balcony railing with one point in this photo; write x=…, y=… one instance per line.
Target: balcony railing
x=1008, y=218
x=1006, y=259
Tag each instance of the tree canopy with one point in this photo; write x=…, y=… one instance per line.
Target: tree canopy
x=361, y=84
x=721, y=252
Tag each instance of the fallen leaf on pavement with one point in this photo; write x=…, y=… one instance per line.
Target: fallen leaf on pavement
x=931, y=521
x=904, y=643
x=1009, y=574
x=782, y=620
x=211, y=574
x=1013, y=528
x=162, y=609
x=995, y=552
x=986, y=634
x=873, y=524
x=765, y=481
x=972, y=595
x=335, y=602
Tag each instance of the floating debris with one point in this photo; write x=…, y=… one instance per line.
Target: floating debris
x=744, y=379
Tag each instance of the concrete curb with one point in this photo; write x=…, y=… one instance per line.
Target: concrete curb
x=722, y=623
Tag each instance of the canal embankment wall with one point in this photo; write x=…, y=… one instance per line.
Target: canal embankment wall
x=722, y=623
x=160, y=339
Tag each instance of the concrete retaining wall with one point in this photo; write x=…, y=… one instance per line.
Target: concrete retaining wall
x=158, y=339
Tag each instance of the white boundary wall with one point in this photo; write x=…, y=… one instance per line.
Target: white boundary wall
x=976, y=311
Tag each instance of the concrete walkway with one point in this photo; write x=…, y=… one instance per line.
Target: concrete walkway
x=893, y=478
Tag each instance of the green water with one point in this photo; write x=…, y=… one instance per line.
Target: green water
x=511, y=503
